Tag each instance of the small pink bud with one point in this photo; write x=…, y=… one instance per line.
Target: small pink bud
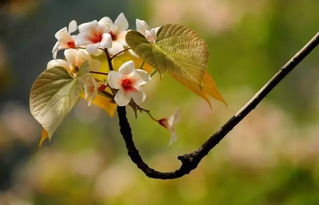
x=169, y=123
x=163, y=122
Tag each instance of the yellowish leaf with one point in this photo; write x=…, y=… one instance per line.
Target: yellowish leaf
x=105, y=103
x=104, y=67
x=53, y=95
x=207, y=89
x=44, y=137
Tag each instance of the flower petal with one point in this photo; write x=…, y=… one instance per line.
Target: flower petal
x=106, y=41
x=70, y=56
x=90, y=88
x=81, y=57
x=121, y=23
x=173, y=137
x=133, y=53
x=127, y=67
x=151, y=35
x=62, y=34
x=55, y=49
x=121, y=38
x=122, y=98
x=116, y=48
x=144, y=77
x=141, y=26
x=73, y=26
x=58, y=63
x=85, y=27
x=114, y=78
x=105, y=21
x=156, y=29
x=81, y=39
x=138, y=95
x=92, y=48
x=173, y=119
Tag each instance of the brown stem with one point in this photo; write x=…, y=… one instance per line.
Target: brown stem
x=191, y=160
x=109, y=59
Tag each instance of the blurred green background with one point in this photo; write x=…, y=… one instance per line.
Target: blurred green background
x=272, y=157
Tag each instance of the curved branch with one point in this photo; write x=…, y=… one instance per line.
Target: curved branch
x=191, y=160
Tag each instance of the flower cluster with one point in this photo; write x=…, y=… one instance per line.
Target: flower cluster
x=93, y=39
x=101, y=41
x=94, y=35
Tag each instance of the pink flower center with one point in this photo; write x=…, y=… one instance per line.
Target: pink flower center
x=71, y=44
x=96, y=38
x=127, y=84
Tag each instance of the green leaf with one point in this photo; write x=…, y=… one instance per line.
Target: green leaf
x=178, y=50
x=182, y=53
x=53, y=94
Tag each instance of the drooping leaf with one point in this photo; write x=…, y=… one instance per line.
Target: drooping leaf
x=106, y=104
x=44, y=137
x=53, y=94
x=208, y=89
x=182, y=53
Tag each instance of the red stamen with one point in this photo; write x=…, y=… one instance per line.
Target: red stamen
x=96, y=38
x=127, y=84
x=71, y=44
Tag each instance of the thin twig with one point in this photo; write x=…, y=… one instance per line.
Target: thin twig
x=154, y=72
x=147, y=112
x=190, y=161
x=96, y=72
x=142, y=65
x=106, y=94
x=119, y=53
x=109, y=61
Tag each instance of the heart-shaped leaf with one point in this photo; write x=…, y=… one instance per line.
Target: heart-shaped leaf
x=53, y=94
x=182, y=53
x=178, y=50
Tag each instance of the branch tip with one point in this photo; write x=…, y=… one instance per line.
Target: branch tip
x=191, y=161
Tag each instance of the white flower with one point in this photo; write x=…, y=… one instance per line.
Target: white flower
x=74, y=60
x=169, y=123
x=94, y=35
x=91, y=88
x=65, y=39
x=128, y=81
x=149, y=33
x=118, y=31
